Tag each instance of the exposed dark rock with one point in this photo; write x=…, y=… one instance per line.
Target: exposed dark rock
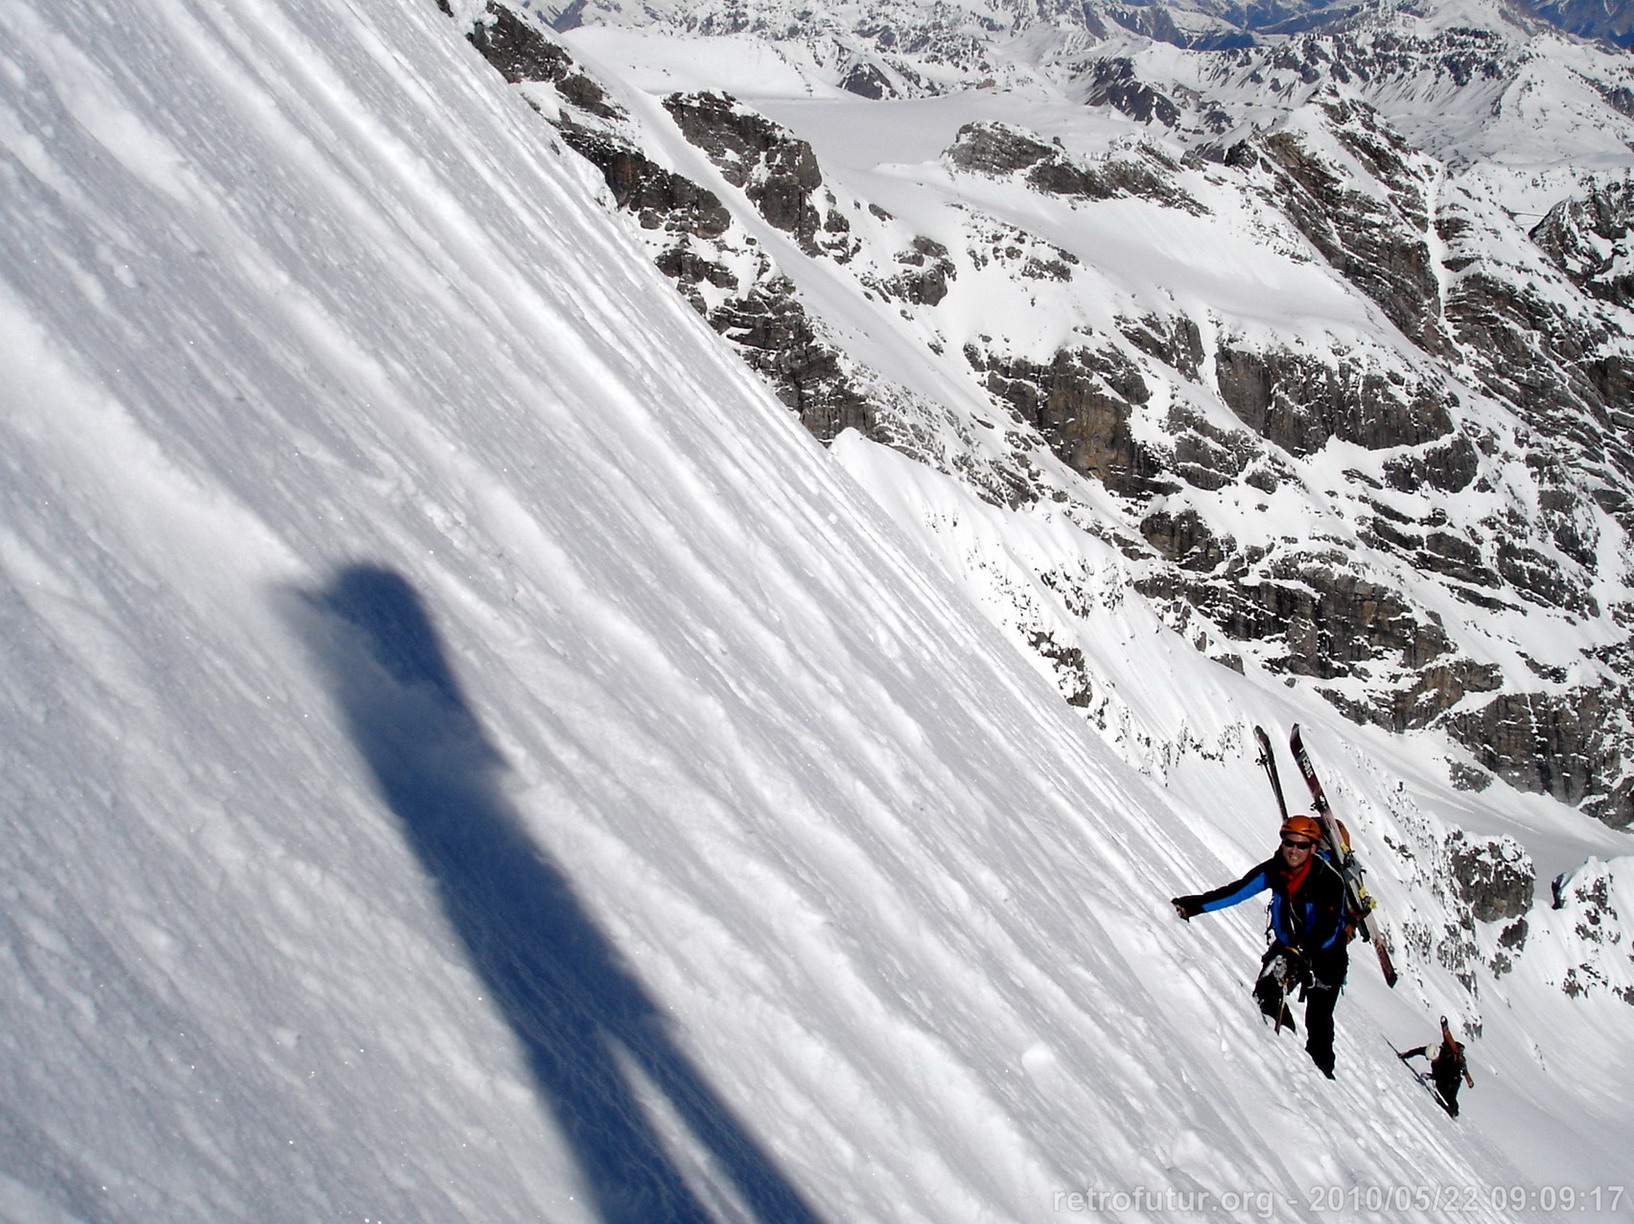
x=1537, y=576
x=1081, y=403
x=1185, y=539
x=1589, y=240
x=1455, y=557
x=1548, y=340
x=867, y=81
x=1176, y=341
x=1071, y=670
x=1564, y=746
x=1386, y=533
x=660, y=197
x=1620, y=98
x=1457, y=952
x=1468, y=778
x=1334, y=619
x=1511, y=943
x=1299, y=402
x=1114, y=83
x=1205, y=456
x=521, y=51
x=1329, y=621
x=1585, y=897
x=1431, y=692
x=777, y=171
x=926, y=283
x=1566, y=373
x=1380, y=247
x=518, y=48
x=764, y=319
x=776, y=337
x=996, y=149
x=999, y=150
x=1494, y=877
x=1450, y=466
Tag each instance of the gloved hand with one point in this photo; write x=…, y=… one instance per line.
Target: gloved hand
x=1187, y=907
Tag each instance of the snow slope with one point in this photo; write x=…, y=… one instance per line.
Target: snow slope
x=469, y=754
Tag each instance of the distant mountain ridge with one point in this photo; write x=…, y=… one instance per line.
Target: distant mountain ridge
x=1592, y=19
x=1198, y=24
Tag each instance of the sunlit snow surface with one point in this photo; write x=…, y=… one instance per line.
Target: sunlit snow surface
x=468, y=755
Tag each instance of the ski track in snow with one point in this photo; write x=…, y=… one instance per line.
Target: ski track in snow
x=471, y=756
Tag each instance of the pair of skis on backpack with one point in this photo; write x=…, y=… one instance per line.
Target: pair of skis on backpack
x=1358, y=903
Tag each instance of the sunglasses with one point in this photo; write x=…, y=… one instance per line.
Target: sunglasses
x=1296, y=843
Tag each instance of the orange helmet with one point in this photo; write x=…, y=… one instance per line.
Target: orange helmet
x=1302, y=826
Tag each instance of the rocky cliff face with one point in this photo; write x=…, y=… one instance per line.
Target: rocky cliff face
x=1386, y=500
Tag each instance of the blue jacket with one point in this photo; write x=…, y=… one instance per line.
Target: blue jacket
x=1313, y=920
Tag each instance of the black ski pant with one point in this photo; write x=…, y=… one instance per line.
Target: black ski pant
x=1328, y=969
x=1448, y=1074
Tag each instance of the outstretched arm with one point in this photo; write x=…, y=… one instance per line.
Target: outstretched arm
x=1256, y=881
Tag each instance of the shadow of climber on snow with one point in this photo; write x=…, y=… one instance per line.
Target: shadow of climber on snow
x=578, y=1014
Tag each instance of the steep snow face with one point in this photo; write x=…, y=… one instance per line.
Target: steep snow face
x=472, y=756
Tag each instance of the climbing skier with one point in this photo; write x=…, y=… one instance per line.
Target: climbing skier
x=1448, y=1067
x=1308, y=930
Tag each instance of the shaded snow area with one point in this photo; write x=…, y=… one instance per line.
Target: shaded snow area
x=470, y=755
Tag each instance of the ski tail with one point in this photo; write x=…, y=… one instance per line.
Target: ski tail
x=1386, y=965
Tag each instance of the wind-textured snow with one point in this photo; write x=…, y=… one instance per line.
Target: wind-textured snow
x=469, y=755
